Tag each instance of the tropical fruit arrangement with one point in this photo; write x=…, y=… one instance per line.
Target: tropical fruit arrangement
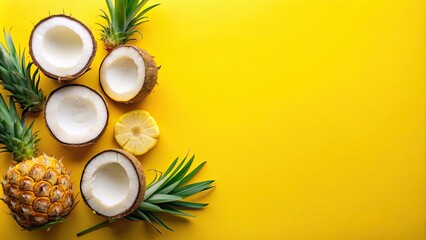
x=37, y=187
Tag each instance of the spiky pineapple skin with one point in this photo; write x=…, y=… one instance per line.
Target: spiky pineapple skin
x=38, y=191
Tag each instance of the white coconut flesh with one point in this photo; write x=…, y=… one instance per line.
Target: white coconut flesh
x=122, y=73
x=110, y=184
x=62, y=46
x=76, y=114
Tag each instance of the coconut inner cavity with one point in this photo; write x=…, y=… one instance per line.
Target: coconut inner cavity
x=122, y=75
x=110, y=184
x=76, y=115
x=62, y=46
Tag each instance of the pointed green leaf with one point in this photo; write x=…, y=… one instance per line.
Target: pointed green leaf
x=161, y=198
x=180, y=173
x=145, y=206
x=191, y=174
x=192, y=188
x=158, y=220
x=174, y=211
x=192, y=205
x=153, y=188
x=169, y=169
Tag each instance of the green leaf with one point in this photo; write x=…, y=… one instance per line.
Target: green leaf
x=161, y=198
x=178, y=167
x=170, y=168
x=96, y=227
x=180, y=173
x=145, y=206
x=192, y=205
x=169, y=188
x=143, y=215
x=158, y=220
x=110, y=7
x=192, y=188
x=191, y=174
x=174, y=211
x=152, y=189
x=134, y=18
x=147, y=219
x=133, y=218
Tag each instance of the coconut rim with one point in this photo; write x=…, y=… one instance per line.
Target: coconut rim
x=69, y=77
x=94, y=140
x=152, y=77
x=141, y=188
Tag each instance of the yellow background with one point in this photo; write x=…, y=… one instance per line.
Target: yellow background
x=309, y=113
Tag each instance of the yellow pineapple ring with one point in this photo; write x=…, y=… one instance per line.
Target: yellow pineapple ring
x=136, y=132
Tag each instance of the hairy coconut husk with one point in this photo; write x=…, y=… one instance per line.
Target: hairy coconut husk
x=151, y=74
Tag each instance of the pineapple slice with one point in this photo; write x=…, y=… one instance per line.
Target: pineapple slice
x=136, y=132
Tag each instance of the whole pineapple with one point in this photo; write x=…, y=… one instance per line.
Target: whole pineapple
x=37, y=189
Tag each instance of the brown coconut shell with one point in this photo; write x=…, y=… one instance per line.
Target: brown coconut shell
x=93, y=141
x=141, y=188
x=68, y=77
x=151, y=74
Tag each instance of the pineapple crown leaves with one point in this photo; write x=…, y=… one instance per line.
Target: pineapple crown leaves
x=166, y=192
x=16, y=77
x=16, y=137
x=122, y=21
x=165, y=195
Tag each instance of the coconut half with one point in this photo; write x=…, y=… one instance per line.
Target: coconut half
x=128, y=74
x=62, y=47
x=76, y=115
x=113, y=183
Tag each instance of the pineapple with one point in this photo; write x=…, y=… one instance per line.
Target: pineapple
x=36, y=188
x=124, y=17
x=136, y=132
x=16, y=77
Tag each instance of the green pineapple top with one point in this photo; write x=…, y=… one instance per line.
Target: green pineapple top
x=16, y=77
x=16, y=137
x=124, y=17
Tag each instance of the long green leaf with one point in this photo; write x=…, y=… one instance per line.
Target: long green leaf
x=192, y=205
x=169, y=188
x=191, y=174
x=169, y=169
x=174, y=211
x=161, y=198
x=145, y=206
x=180, y=172
x=192, y=188
x=151, y=190
x=97, y=226
x=158, y=220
